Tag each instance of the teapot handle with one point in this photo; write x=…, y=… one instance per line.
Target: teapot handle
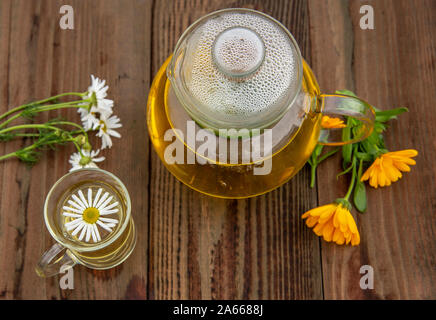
x=53, y=261
x=334, y=105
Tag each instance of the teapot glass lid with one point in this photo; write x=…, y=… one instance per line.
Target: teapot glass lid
x=236, y=68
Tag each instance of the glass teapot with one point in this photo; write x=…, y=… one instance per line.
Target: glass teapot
x=236, y=112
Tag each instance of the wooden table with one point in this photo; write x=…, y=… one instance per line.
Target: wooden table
x=196, y=247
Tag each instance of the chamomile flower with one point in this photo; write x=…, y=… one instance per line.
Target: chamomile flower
x=88, y=159
x=106, y=128
x=89, y=120
x=97, y=92
x=85, y=215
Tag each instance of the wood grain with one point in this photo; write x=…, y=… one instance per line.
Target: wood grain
x=391, y=66
x=39, y=59
x=208, y=248
x=195, y=247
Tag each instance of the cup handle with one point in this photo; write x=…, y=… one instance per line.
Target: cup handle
x=52, y=262
x=338, y=104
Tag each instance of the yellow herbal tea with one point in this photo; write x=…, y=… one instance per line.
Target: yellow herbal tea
x=234, y=180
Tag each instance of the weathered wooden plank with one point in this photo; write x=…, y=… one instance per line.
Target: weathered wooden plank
x=111, y=40
x=391, y=66
x=201, y=247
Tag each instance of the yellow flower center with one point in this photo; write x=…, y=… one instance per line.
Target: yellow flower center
x=103, y=126
x=90, y=215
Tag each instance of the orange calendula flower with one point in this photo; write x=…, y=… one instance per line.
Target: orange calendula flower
x=387, y=167
x=332, y=123
x=333, y=222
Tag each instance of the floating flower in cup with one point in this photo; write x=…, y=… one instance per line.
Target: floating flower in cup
x=85, y=160
x=332, y=123
x=334, y=222
x=106, y=130
x=89, y=213
x=387, y=168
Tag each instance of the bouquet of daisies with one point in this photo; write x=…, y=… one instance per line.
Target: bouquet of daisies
x=96, y=113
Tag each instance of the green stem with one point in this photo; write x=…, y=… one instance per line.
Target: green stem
x=312, y=175
x=27, y=135
x=359, y=172
x=72, y=104
x=316, y=162
x=78, y=148
x=34, y=146
x=328, y=154
x=12, y=154
x=29, y=126
x=9, y=155
x=24, y=106
x=353, y=180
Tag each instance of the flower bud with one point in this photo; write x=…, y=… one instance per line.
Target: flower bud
x=85, y=160
x=87, y=146
x=80, y=139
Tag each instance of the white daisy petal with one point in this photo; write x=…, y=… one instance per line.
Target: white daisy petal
x=90, y=197
x=74, y=204
x=102, y=200
x=104, y=204
x=106, y=212
x=100, y=159
x=106, y=129
x=86, y=161
x=97, y=196
x=72, y=215
x=110, y=206
x=72, y=224
x=88, y=232
x=101, y=224
x=93, y=235
x=110, y=225
x=72, y=209
x=97, y=233
x=82, y=197
x=82, y=234
x=79, y=202
x=78, y=228
x=108, y=220
x=114, y=133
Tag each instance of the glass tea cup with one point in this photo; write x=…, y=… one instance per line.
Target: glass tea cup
x=88, y=213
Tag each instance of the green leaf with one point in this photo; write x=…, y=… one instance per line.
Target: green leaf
x=318, y=150
x=380, y=127
x=386, y=115
x=359, y=196
x=364, y=156
x=345, y=171
x=346, y=92
x=30, y=157
x=6, y=137
x=326, y=155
